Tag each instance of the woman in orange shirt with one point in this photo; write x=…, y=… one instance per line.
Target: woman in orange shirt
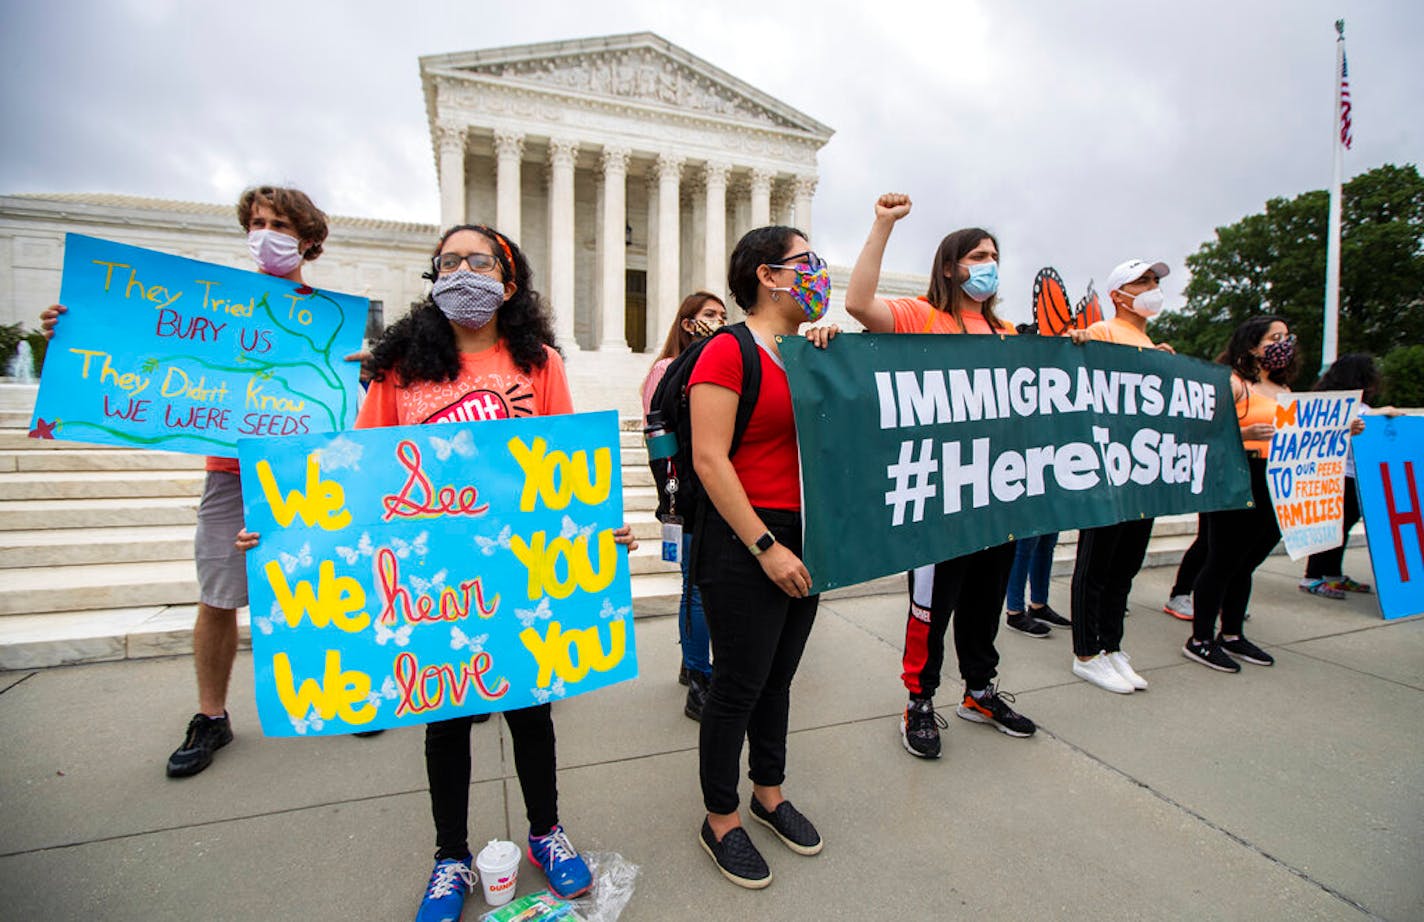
x=964, y=281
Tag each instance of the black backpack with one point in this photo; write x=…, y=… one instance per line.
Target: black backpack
x=669, y=403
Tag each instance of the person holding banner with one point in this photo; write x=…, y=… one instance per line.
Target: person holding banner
x=701, y=314
x=480, y=346
x=1110, y=556
x=285, y=231
x=964, y=281
x=747, y=550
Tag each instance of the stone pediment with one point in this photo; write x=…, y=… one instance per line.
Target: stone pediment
x=640, y=68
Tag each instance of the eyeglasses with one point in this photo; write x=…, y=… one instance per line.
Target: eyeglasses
x=478, y=262
x=809, y=263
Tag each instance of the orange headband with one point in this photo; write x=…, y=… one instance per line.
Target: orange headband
x=503, y=245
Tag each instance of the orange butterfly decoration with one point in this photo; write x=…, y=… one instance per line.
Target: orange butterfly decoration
x=1051, y=305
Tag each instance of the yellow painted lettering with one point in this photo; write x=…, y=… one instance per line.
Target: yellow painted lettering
x=316, y=506
x=333, y=601
x=337, y=693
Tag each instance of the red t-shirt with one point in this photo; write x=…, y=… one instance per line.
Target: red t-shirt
x=766, y=461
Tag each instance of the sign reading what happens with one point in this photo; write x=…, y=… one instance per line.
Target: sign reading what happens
x=1305, y=470
x=938, y=446
x=159, y=351
x=412, y=574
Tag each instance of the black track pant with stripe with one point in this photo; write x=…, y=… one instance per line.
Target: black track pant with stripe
x=971, y=589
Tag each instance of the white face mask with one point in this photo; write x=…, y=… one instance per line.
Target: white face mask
x=1148, y=303
x=274, y=252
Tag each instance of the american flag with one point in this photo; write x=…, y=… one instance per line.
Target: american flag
x=1345, y=136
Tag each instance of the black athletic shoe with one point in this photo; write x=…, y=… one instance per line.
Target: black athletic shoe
x=206, y=735
x=736, y=857
x=1209, y=654
x=793, y=829
x=919, y=728
x=1047, y=615
x=1241, y=648
x=1027, y=624
x=481, y=718
x=367, y=734
x=993, y=709
x=682, y=675
x=697, y=687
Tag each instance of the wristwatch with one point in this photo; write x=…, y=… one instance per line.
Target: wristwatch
x=762, y=544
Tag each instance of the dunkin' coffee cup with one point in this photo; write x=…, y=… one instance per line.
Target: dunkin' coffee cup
x=498, y=864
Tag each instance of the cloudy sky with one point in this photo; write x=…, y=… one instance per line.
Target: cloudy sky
x=1081, y=133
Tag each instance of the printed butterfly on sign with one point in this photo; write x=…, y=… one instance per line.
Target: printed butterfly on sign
x=489, y=545
x=312, y=721
x=462, y=444
x=1054, y=312
x=400, y=635
x=363, y=548
x=609, y=611
x=571, y=529
x=459, y=640
x=543, y=695
x=265, y=623
x=419, y=546
x=302, y=558
x=387, y=692
x=541, y=612
x=436, y=582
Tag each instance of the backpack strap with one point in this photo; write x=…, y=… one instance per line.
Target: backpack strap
x=751, y=382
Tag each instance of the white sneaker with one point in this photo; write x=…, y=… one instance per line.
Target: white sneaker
x=1101, y=673
x=1119, y=661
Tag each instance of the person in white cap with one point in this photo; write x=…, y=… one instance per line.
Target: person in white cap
x=1109, y=557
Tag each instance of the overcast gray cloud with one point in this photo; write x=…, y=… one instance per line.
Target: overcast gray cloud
x=1080, y=133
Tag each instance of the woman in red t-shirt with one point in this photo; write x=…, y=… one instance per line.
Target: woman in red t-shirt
x=964, y=281
x=755, y=589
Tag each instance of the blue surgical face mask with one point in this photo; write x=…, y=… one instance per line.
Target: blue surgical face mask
x=983, y=281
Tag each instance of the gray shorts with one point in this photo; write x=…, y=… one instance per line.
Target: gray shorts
x=222, y=568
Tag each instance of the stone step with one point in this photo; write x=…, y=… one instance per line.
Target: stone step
x=85, y=546
x=16, y=419
x=17, y=437
x=110, y=585
x=88, y=485
x=24, y=514
x=31, y=459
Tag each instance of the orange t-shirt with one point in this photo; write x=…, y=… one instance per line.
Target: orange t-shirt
x=1254, y=408
x=916, y=315
x=489, y=386
x=1121, y=332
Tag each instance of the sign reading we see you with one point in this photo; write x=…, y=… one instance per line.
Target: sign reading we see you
x=412, y=574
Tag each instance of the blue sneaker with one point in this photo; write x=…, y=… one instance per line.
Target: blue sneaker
x=556, y=856
x=450, y=882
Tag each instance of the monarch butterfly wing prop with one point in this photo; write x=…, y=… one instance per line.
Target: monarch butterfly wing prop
x=1051, y=308
x=1089, y=310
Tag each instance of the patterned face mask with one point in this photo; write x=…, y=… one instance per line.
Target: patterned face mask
x=813, y=286
x=703, y=328
x=1278, y=354
x=468, y=298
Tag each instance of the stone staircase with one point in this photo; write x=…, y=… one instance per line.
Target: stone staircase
x=96, y=546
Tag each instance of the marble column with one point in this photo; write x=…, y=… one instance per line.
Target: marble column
x=613, y=251
x=508, y=152
x=714, y=261
x=651, y=317
x=781, y=204
x=761, y=198
x=562, y=153
x=695, y=252
x=450, y=139
x=805, y=189
x=669, y=172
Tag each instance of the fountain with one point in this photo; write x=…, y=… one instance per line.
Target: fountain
x=21, y=369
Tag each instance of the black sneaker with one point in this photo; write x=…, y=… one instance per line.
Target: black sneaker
x=1241, y=648
x=1025, y=623
x=697, y=687
x=1047, y=615
x=736, y=857
x=993, y=709
x=793, y=829
x=919, y=728
x=1209, y=654
x=367, y=734
x=682, y=675
x=206, y=735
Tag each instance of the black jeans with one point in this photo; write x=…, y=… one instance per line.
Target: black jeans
x=758, y=634
x=1332, y=562
x=971, y=589
x=1237, y=542
x=1192, y=561
x=1108, y=560
x=447, y=766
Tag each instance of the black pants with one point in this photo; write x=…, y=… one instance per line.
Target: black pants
x=971, y=589
x=1332, y=562
x=758, y=635
x=447, y=766
x=1237, y=542
x=1192, y=562
x=1107, y=562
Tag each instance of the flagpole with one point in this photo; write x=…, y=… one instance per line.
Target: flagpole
x=1330, y=339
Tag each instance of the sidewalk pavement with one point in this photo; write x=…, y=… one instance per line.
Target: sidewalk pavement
x=1294, y=792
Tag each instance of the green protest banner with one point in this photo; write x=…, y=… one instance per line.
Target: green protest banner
x=916, y=449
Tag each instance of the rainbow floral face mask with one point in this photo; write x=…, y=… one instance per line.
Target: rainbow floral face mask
x=813, y=286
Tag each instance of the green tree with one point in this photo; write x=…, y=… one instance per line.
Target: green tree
x=1274, y=263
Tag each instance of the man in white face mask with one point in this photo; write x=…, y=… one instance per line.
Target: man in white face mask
x=1133, y=289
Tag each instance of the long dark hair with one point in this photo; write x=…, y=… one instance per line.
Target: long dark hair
x=1355, y=371
x=944, y=292
x=678, y=339
x=1237, y=353
x=421, y=345
x=760, y=246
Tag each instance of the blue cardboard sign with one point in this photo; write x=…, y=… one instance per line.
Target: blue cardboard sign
x=417, y=573
x=159, y=351
x=1389, y=468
